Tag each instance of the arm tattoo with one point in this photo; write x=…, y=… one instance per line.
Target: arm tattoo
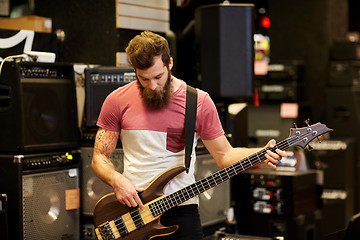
x=105, y=143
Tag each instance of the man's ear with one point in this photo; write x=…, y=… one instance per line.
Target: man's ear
x=171, y=63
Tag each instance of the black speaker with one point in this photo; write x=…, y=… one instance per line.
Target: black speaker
x=38, y=109
x=344, y=73
x=265, y=122
x=336, y=159
x=93, y=188
x=342, y=111
x=4, y=225
x=224, y=34
x=302, y=227
x=99, y=83
x=43, y=195
x=215, y=202
x=338, y=207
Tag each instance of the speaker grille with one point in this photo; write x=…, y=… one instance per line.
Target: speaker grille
x=51, y=205
x=93, y=188
x=214, y=202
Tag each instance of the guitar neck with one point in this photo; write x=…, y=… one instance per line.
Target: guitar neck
x=160, y=206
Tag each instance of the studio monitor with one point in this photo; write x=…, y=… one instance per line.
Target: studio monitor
x=38, y=109
x=224, y=34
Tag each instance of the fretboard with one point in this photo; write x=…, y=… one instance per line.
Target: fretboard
x=160, y=206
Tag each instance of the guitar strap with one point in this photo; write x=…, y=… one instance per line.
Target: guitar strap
x=190, y=119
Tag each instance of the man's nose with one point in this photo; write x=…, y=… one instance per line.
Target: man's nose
x=153, y=84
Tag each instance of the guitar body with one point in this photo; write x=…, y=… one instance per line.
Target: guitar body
x=109, y=208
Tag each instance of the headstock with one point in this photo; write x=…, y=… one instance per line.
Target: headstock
x=303, y=136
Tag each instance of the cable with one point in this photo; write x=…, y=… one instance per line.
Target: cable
x=12, y=57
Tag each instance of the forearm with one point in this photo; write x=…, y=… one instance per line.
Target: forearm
x=236, y=154
x=105, y=144
x=225, y=155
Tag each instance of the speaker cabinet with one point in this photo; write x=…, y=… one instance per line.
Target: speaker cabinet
x=100, y=82
x=213, y=203
x=302, y=227
x=265, y=122
x=43, y=195
x=342, y=111
x=38, y=109
x=224, y=34
x=93, y=188
x=336, y=159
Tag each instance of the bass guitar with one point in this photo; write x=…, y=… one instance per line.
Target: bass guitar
x=114, y=220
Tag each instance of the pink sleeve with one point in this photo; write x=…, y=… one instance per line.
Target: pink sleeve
x=109, y=117
x=208, y=124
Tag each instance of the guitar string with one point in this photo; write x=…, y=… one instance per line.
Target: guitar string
x=283, y=144
x=226, y=177
x=219, y=174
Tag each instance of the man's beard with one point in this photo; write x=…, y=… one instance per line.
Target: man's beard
x=158, y=98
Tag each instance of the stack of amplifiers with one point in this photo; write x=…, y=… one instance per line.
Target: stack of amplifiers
x=283, y=83
x=99, y=83
x=276, y=193
x=38, y=110
x=336, y=159
x=280, y=200
x=43, y=193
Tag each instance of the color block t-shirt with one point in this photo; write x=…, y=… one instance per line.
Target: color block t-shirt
x=153, y=141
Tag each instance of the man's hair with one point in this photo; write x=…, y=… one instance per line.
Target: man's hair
x=144, y=47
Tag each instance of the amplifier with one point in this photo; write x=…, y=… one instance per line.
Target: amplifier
x=336, y=158
x=99, y=83
x=283, y=83
x=345, y=50
x=302, y=227
x=43, y=202
x=273, y=192
x=38, y=110
x=344, y=73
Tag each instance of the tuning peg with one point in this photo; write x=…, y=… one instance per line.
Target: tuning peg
x=307, y=122
x=295, y=125
x=309, y=147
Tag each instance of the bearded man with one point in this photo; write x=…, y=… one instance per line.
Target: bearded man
x=149, y=115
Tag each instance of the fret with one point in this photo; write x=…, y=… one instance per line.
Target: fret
x=228, y=177
x=258, y=158
x=193, y=193
x=242, y=166
x=249, y=161
x=182, y=192
x=214, y=177
x=198, y=190
x=168, y=202
x=136, y=217
x=120, y=225
x=234, y=169
x=114, y=229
